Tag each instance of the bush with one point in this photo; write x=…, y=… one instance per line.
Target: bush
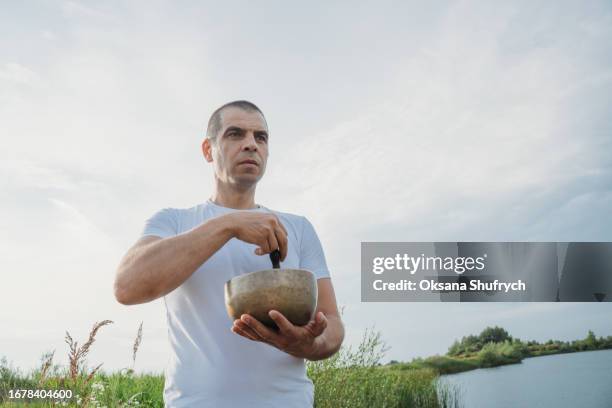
x=495, y=354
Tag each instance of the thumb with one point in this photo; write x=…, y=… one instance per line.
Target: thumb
x=320, y=323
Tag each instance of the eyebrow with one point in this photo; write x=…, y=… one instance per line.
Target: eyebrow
x=233, y=128
x=239, y=129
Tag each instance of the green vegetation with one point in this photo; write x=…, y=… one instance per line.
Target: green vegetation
x=90, y=388
x=121, y=389
x=351, y=378
x=440, y=364
x=495, y=347
x=472, y=345
x=355, y=378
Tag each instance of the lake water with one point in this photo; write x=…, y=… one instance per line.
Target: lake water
x=573, y=380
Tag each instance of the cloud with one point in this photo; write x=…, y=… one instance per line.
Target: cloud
x=17, y=73
x=477, y=123
x=76, y=9
x=457, y=122
x=29, y=174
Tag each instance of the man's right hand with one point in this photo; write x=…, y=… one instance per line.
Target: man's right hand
x=262, y=229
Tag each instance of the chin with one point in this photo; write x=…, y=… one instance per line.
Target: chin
x=247, y=180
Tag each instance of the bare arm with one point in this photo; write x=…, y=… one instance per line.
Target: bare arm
x=154, y=266
x=329, y=342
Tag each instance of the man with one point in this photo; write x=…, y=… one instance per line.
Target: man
x=187, y=255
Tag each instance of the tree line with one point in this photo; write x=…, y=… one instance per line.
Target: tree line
x=471, y=345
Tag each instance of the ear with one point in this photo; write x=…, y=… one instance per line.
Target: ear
x=207, y=150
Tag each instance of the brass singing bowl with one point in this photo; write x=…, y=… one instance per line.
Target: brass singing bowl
x=292, y=292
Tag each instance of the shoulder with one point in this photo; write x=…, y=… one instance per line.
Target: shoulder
x=182, y=211
x=178, y=216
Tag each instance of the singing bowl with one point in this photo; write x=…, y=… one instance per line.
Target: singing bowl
x=292, y=292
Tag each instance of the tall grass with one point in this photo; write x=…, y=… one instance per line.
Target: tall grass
x=90, y=388
x=353, y=377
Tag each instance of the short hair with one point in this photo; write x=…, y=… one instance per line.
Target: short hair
x=214, y=123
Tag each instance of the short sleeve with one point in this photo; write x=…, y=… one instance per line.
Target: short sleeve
x=162, y=224
x=312, y=257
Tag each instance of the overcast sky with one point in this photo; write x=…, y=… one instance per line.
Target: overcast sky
x=393, y=121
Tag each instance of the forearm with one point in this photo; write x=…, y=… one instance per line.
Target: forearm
x=329, y=342
x=158, y=268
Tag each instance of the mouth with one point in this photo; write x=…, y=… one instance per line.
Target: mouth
x=253, y=162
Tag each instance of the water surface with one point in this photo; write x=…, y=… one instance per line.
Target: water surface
x=576, y=380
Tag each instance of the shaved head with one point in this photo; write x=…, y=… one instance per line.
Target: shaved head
x=215, y=122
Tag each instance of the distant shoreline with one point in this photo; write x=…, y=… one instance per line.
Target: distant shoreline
x=494, y=347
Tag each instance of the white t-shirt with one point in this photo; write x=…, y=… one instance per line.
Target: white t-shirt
x=209, y=365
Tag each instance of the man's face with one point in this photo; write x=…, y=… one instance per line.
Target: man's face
x=240, y=152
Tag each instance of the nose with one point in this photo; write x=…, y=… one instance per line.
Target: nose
x=250, y=144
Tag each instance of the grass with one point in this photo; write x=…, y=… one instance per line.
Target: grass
x=440, y=364
x=350, y=378
x=90, y=388
x=354, y=378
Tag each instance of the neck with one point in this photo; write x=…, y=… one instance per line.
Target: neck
x=234, y=197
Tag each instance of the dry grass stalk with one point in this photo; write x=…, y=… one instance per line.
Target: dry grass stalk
x=87, y=394
x=78, y=354
x=93, y=372
x=45, y=367
x=137, y=344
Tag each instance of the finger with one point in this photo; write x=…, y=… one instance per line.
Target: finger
x=272, y=241
x=264, y=246
x=284, y=325
x=237, y=330
x=320, y=324
x=264, y=333
x=281, y=237
x=244, y=328
x=280, y=223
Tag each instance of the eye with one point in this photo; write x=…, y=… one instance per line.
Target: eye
x=261, y=137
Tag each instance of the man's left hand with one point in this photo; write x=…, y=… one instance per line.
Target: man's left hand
x=298, y=341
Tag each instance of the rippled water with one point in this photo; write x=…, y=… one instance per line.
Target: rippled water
x=576, y=380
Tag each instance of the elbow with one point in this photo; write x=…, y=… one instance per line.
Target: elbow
x=339, y=339
x=333, y=342
x=121, y=294
x=126, y=295
x=338, y=345
x=341, y=333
